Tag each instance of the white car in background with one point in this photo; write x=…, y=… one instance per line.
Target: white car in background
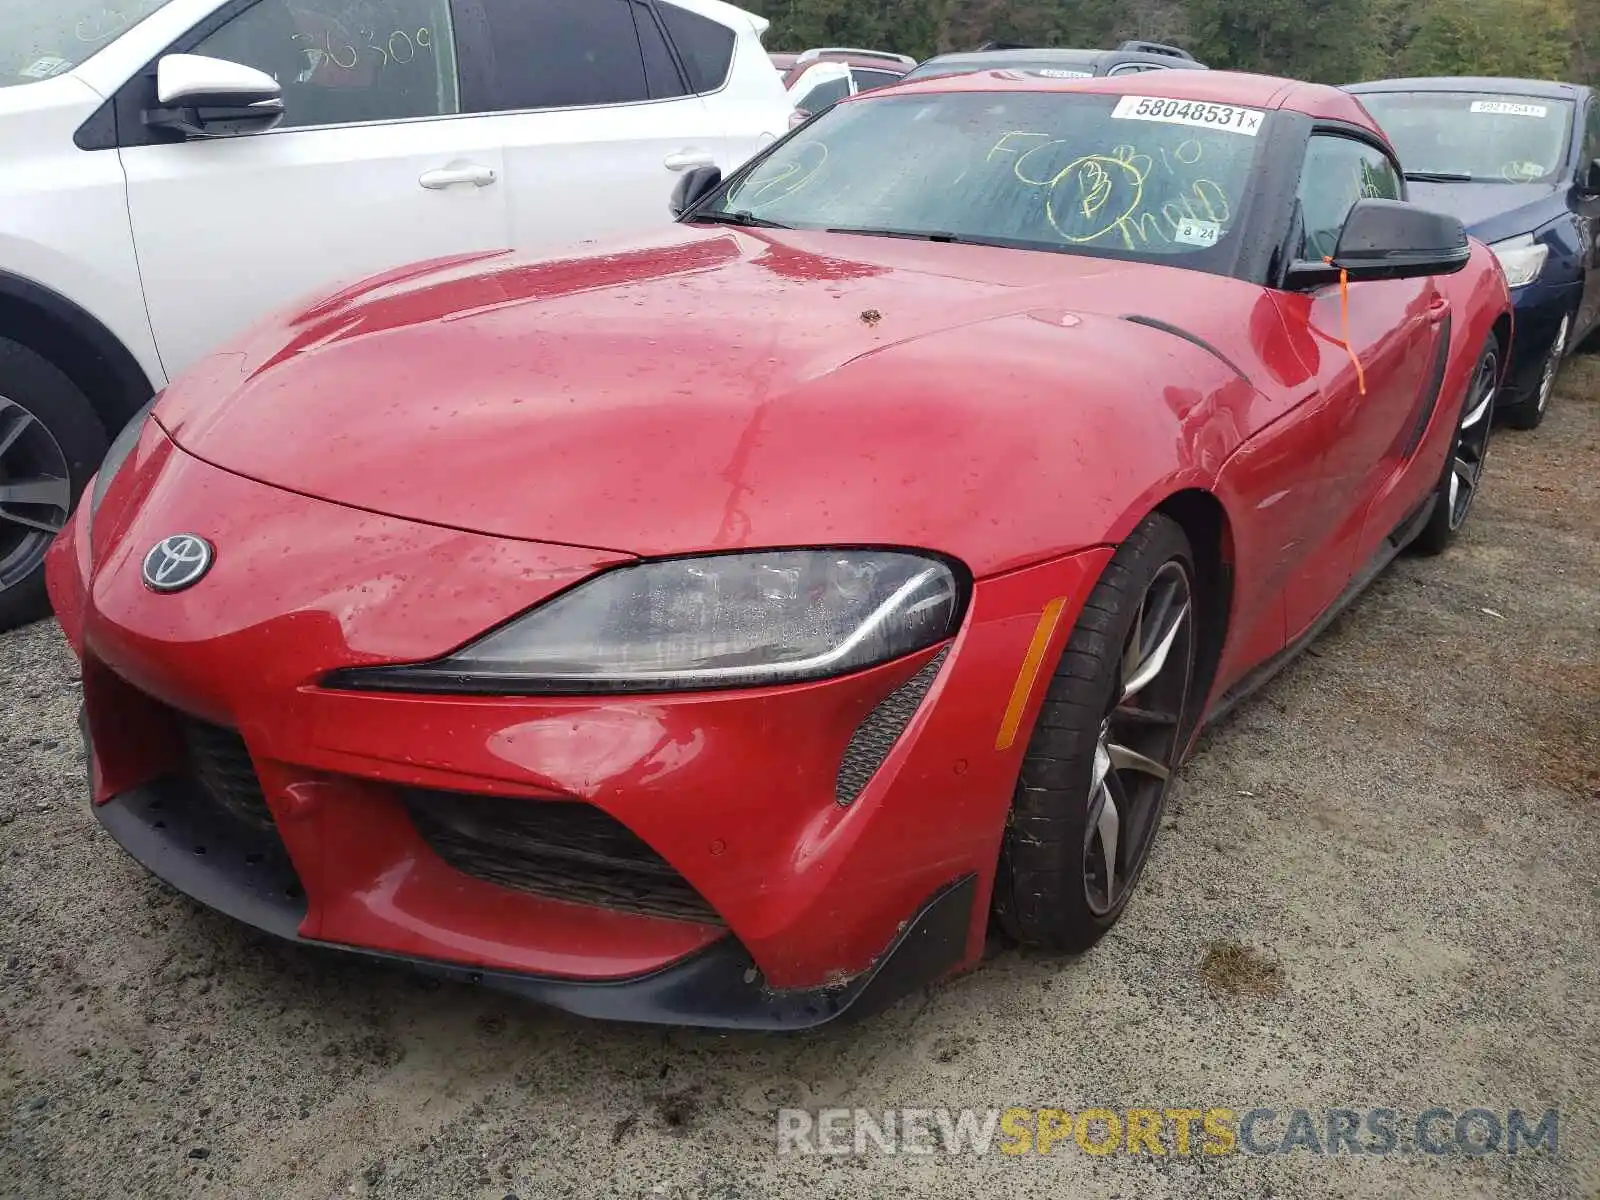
x=825, y=75
x=175, y=169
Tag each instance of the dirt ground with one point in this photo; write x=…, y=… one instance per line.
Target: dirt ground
x=1379, y=887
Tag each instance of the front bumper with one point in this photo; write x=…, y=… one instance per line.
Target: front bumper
x=247, y=876
x=1538, y=311
x=808, y=908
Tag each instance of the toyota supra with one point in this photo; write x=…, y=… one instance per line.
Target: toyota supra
x=731, y=627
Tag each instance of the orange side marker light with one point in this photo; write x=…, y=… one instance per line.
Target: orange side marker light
x=1029, y=674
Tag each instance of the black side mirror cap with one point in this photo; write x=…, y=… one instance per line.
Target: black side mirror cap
x=694, y=186
x=1591, y=178
x=217, y=121
x=1390, y=239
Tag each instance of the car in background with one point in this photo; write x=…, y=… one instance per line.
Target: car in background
x=1518, y=160
x=1130, y=58
x=716, y=627
x=175, y=169
x=819, y=77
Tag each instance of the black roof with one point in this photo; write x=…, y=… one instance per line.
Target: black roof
x=1494, y=85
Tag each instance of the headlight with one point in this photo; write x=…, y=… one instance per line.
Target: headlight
x=730, y=620
x=1521, y=258
x=117, y=455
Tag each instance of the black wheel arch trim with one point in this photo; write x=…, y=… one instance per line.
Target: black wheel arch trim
x=132, y=386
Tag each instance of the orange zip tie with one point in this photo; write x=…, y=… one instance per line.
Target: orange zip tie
x=1344, y=324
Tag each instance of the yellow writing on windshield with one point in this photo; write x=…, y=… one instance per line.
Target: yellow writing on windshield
x=1109, y=196
x=788, y=177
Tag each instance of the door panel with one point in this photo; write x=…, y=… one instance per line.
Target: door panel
x=371, y=168
x=1393, y=329
x=231, y=229
x=1390, y=328
x=587, y=174
x=595, y=118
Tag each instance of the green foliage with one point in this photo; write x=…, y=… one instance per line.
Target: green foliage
x=1526, y=38
x=1332, y=41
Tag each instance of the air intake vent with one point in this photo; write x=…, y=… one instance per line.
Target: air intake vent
x=876, y=736
x=562, y=849
x=220, y=763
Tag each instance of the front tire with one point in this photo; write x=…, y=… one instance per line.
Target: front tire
x=51, y=443
x=1094, y=779
x=1463, y=467
x=1530, y=412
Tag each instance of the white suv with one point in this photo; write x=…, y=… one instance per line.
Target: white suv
x=174, y=169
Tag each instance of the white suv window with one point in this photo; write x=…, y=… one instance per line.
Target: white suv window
x=338, y=62
x=823, y=94
x=867, y=79
x=706, y=46
x=554, y=54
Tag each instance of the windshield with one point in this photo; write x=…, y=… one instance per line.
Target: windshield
x=1049, y=67
x=41, y=38
x=1120, y=176
x=1479, y=137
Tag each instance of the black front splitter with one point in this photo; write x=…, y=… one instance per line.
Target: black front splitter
x=208, y=855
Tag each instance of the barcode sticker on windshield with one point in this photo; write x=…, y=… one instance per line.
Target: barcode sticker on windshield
x=1190, y=112
x=45, y=67
x=1058, y=73
x=1505, y=108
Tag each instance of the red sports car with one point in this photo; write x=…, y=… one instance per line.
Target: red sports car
x=719, y=628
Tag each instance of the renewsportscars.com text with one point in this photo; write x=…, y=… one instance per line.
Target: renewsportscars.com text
x=1177, y=1132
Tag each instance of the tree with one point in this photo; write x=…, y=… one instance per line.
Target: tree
x=903, y=26
x=1330, y=41
x=1521, y=38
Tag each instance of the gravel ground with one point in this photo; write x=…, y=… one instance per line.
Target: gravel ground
x=1379, y=886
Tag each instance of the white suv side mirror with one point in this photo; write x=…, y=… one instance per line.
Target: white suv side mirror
x=203, y=97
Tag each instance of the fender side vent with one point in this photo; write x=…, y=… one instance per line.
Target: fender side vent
x=1192, y=338
x=876, y=736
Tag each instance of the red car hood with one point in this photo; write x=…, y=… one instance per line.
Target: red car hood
x=710, y=389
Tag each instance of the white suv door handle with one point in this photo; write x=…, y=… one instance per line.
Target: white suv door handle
x=455, y=173
x=684, y=160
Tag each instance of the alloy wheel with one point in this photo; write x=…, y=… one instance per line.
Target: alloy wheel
x=35, y=492
x=1472, y=441
x=1552, y=365
x=1138, y=747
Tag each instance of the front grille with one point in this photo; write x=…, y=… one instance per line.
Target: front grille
x=562, y=849
x=219, y=763
x=876, y=736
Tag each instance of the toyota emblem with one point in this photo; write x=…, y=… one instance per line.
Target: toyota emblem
x=177, y=562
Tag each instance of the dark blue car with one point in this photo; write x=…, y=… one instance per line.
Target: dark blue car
x=1518, y=161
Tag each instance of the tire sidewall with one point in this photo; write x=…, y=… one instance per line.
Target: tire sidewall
x=1436, y=535
x=37, y=385
x=1066, y=732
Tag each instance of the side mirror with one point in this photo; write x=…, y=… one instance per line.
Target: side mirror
x=203, y=97
x=1389, y=239
x=1591, y=178
x=694, y=186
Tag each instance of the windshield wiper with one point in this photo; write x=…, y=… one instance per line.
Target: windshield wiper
x=739, y=218
x=1439, y=176
x=914, y=234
